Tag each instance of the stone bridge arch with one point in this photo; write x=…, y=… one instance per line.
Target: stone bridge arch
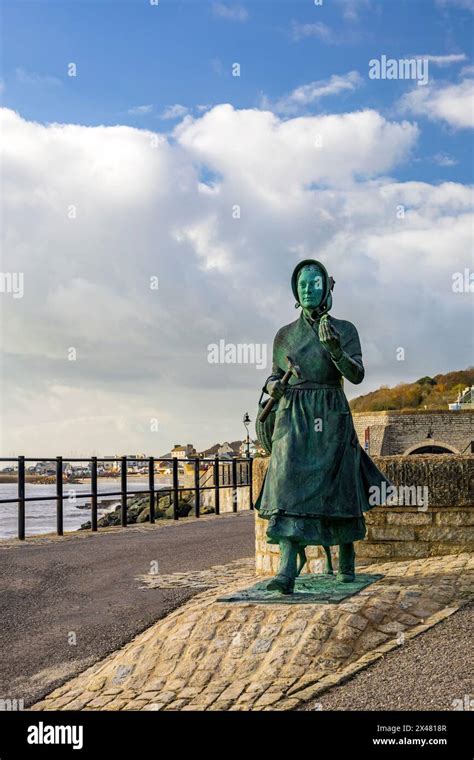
x=437, y=447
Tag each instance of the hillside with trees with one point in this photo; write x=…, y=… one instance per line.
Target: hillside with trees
x=426, y=393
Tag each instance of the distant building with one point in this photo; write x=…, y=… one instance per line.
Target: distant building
x=78, y=471
x=210, y=452
x=47, y=468
x=137, y=463
x=465, y=400
x=226, y=451
x=183, y=452
x=111, y=466
x=255, y=449
x=136, y=460
x=231, y=450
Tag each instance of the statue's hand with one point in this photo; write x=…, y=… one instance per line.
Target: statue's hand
x=275, y=389
x=330, y=337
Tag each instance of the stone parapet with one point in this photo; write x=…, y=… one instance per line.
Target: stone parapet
x=445, y=525
x=400, y=432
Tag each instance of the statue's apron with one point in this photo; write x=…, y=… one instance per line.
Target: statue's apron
x=316, y=488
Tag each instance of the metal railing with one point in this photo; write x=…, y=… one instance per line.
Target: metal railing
x=229, y=471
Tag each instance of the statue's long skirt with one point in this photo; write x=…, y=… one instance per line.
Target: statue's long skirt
x=319, y=479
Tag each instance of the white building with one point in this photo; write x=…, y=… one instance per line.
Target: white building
x=465, y=400
x=183, y=452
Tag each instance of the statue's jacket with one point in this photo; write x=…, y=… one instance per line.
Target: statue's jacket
x=319, y=479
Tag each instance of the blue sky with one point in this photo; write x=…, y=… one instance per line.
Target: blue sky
x=132, y=171
x=131, y=54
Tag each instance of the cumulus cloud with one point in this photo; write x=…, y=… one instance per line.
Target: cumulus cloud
x=450, y=103
x=174, y=112
x=135, y=259
x=305, y=95
x=317, y=29
x=328, y=150
x=140, y=110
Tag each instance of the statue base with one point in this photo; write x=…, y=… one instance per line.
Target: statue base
x=318, y=588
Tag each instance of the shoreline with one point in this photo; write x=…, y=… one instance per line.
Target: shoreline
x=7, y=478
x=41, y=514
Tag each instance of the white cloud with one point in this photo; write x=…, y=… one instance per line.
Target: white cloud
x=442, y=60
x=31, y=78
x=451, y=103
x=143, y=210
x=307, y=94
x=317, y=29
x=443, y=159
x=174, y=112
x=353, y=8
x=230, y=12
x=140, y=110
x=221, y=138
x=347, y=33
x=351, y=11
x=463, y=4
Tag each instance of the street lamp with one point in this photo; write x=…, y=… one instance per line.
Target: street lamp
x=247, y=422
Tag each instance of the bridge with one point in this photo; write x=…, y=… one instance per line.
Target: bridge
x=425, y=431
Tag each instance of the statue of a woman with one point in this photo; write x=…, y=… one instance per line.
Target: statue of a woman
x=317, y=484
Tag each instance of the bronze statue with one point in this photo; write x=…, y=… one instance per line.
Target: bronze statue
x=316, y=488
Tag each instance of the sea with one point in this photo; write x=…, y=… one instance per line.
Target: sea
x=41, y=515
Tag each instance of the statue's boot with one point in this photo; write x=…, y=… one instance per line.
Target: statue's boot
x=302, y=559
x=284, y=582
x=329, y=569
x=346, y=573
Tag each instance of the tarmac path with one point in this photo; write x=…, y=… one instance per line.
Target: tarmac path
x=67, y=602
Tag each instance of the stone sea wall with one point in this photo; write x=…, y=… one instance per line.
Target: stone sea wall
x=443, y=524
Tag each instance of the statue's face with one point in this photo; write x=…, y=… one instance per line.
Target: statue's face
x=311, y=287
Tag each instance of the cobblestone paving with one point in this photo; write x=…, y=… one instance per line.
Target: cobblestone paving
x=213, y=577
x=216, y=656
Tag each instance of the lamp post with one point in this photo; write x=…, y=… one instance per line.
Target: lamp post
x=247, y=422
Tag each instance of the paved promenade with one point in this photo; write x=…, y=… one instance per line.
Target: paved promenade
x=210, y=655
x=67, y=602
x=428, y=672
